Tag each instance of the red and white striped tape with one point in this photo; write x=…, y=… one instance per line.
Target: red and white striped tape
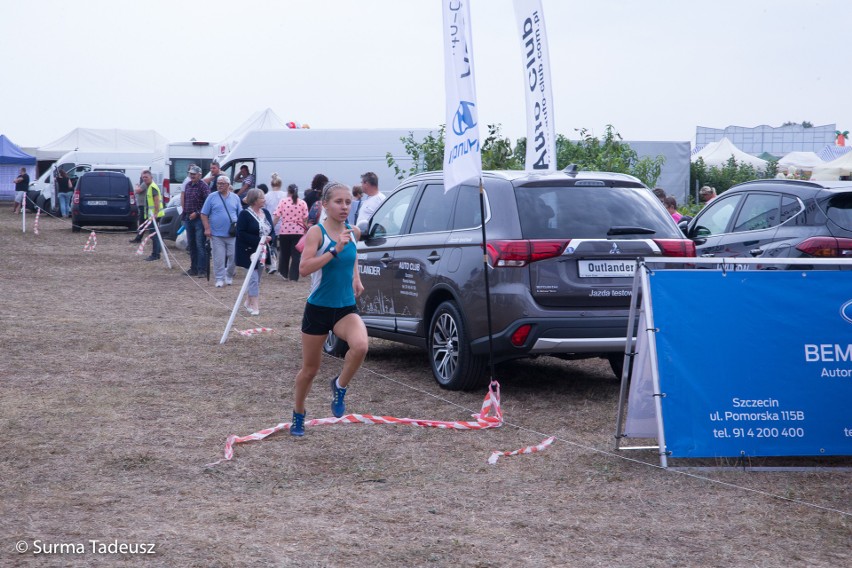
x=495, y=455
x=489, y=416
x=141, y=248
x=255, y=331
x=144, y=226
x=91, y=243
x=35, y=224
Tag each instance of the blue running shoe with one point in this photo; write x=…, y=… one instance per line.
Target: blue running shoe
x=338, y=407
x=297, y=427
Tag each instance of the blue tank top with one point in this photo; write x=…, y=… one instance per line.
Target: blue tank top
x=331, y=286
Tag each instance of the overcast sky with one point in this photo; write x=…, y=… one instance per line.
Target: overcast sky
x=655, y=69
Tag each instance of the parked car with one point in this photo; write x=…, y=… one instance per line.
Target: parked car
x=561, y=251
x=776, y=218
x=104, y=198
x=170, y=222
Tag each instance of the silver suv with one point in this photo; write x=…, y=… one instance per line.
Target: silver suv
x=561, y=252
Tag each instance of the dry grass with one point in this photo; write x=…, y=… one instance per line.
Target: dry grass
x=110, y=409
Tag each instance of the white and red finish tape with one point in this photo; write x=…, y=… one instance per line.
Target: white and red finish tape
x=495, y=455
x=141, y=248
x=489, y=416
x=256, y=331
x=91, y=243
x=35, y=224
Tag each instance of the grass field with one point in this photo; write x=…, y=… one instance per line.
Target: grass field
x=115, y=393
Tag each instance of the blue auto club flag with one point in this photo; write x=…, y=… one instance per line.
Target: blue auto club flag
x=541, y=131
x=462, y=153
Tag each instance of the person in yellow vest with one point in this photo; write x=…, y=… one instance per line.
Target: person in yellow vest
x=155, y=209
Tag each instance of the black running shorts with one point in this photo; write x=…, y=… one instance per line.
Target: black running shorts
x=319, y=320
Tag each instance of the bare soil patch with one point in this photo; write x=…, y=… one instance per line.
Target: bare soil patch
x=115, y=392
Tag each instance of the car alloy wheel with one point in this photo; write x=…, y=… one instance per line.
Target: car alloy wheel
x=454, y=365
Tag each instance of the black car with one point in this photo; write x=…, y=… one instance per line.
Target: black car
x=561, y=252
x=777, y=219
x=104, y=198
x=171, y=222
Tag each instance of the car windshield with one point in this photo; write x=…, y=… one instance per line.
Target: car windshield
x=591, y=213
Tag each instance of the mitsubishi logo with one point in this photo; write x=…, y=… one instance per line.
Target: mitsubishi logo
x=614, y=249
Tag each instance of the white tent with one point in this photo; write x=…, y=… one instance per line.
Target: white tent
x=261, y=120
x=95, y=139
x=718, y=153
x=800, y=160
x=832, y=170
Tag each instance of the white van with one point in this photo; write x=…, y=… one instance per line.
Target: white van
x=299, y=154
x=78, y=162
x=41, y=191
x=171, y=162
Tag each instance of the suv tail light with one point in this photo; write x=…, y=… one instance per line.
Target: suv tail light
x=827, y=247
x=520, y=336
x=132, y=198
x=167, y=193
x=521, y=253
x=676, y=247
x=76, y=198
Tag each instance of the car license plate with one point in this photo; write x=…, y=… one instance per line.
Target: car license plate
x=96, y=203
x=606, y=268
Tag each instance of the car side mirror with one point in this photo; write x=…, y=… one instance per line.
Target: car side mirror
x=363, y=226
x=684, y=227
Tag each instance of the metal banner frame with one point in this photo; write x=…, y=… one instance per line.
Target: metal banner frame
x=641, y=309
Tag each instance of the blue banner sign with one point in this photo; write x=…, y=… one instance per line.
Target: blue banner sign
x=754, y=363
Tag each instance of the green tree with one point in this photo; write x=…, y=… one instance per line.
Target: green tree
x=428, y=154
x=723, y=178
x=611, y=154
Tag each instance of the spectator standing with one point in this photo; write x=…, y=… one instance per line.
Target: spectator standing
x=706, y=194
x=660, y=193
x=314, y=200
x=139, y=190
x=64, y=191
x=671, y=206
x=192, y=199
x=254, y=227
x=220, y=209
x=22, y=184
x=154, y=201
x=357, y=194
x=374, y=197
x=330, y=257
x=291, y=217
x=314, y=193
x=274, y=196
x=213, y=175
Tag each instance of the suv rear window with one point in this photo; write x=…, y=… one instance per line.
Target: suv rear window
x=839, y=210
x=104, y=186
x=590, y=212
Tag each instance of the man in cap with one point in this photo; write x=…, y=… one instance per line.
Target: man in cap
x=192, y=199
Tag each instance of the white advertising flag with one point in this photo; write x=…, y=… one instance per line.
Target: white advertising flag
x=462, y=157
x=541, y=131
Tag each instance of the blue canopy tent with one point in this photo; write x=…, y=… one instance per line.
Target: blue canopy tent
x=12, y=159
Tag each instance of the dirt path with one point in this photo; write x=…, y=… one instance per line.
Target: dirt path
x=115, y=393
